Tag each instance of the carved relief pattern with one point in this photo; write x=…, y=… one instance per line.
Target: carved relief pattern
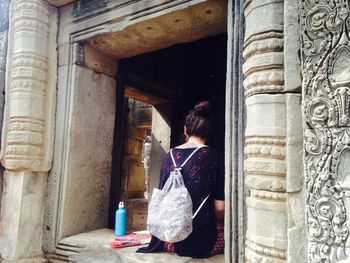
x=326, y=89
x=263, y=254
x=27, y=94
x=263, y=69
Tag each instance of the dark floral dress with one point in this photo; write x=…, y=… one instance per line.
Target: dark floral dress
x=203, y=174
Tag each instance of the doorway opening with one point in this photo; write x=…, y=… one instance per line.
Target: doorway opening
x=170, y=80
x=159, y=88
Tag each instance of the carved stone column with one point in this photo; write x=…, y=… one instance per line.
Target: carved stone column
x=28, y=125
x=27, y=138
x=273, y=141
x=4, y=24
x=325, y=51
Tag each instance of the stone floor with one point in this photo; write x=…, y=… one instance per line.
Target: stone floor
x=94, y=247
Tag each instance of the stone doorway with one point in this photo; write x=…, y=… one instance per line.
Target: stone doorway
x=172, y=80
x=78, y=190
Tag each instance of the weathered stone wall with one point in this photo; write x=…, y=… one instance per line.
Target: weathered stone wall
x=273, y=136
x=79, y=182
x=297, y=240
x=90, y=153
x=325, y=52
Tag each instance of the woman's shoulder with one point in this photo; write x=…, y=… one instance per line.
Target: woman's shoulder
x=210, y=153
x=185, y=147
x=205, y=152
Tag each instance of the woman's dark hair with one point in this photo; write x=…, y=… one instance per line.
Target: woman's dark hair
x=198, y=121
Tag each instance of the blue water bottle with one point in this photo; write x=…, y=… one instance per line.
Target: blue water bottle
x=120, y=220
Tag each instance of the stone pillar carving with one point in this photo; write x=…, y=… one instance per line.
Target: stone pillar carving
x=27, y=135
x=266, y=178
x=271, y=144
x=30, y=97
x=325, y=51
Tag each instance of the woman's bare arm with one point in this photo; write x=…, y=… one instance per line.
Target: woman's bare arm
x=219, y=206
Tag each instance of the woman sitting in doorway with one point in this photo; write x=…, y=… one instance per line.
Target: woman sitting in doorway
x=203, y=175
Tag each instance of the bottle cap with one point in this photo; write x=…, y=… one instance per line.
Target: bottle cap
x=121, y=205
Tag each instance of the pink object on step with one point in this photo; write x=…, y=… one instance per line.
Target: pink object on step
x=133, y=239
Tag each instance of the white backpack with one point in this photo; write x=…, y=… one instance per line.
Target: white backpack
x=170, y=210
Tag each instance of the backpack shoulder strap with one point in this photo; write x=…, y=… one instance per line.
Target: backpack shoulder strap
x=172, y=158
x=200, y=206
x=189, y=157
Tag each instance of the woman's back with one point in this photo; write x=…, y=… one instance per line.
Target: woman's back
x=203, y=175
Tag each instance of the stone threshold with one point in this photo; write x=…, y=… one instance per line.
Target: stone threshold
x=94, y=247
